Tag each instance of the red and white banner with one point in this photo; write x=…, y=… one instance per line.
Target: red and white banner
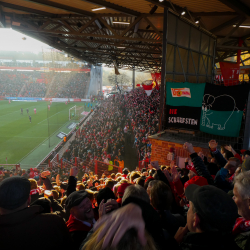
x=230, y=73
x=148, y=89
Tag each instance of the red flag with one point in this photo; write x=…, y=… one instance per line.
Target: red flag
x=230, y=73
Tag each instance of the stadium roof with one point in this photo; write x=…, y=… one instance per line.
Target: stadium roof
x=136, y=40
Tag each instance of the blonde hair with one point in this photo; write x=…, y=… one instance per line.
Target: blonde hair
x=129, y=241
x=33, y=184
x=55, y=194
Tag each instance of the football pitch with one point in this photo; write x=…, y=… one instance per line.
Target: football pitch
x=28, y=143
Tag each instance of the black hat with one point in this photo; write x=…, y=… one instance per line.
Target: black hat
x=105, y=194
x=246, y=164
x=14, y=192
x=213, y=206
x=75, y=198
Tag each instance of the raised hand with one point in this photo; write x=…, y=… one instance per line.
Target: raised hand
x=189, y=147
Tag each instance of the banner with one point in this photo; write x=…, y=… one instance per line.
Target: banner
x=230, y=73
x=206, y=107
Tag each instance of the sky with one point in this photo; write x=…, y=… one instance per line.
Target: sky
x=11, y=40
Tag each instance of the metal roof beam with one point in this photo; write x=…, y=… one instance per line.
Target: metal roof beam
x=62, y=7
x=227, y=13
x=113, y=6
x=90, y=35
x=226, y=24
x=233, y=30
x=221, y=47
x=238, y=6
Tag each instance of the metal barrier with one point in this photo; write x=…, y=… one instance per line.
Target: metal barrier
x=143, y=164
x=10, y=166
x=105, y=168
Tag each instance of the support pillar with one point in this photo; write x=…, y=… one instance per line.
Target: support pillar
x=133, y=77
x=246, y=140
x=163, y=114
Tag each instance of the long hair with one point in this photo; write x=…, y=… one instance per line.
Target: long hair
x=129, y=241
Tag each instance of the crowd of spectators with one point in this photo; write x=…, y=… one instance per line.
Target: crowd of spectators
x=205, y=205
x=69, y=85
x=37, y=84
x=162, y=207
x=117, y=121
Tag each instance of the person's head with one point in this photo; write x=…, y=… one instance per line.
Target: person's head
x=152, y=172
x=55, y=194
x=245, y=154
x=198, y=180
x=110, y=184
x=133, y=176
x=232, y=165
x=105, y=194
x=211, y=209
x=121, y=189
x=242, y=194
x=160, y=196
x=140, y=181
x=80, y=206
x=136, y=191
x=129, y=241
x=112, y=176
x=45, y=203
x=14, y=194
x=33, y=184
x=147, y=182
x=125, y=171
x=81, y=186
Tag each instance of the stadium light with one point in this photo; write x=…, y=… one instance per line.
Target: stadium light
x=100, y=8
x=161, y=0
x=121, y=22
x=183, y=12
x=197, y=20
x=243, y=26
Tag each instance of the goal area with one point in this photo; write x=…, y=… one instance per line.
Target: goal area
x=75, y=113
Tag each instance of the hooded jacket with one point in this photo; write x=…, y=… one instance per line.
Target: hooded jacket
x=30, y=229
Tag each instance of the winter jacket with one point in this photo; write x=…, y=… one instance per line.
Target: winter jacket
x=201, y=169
x=30, y=229
x=78, y=231
x=208, y=241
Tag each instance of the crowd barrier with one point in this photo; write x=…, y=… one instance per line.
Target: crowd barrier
x=143, y=164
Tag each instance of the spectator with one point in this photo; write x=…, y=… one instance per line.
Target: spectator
x=81, y=218
x=18, y=220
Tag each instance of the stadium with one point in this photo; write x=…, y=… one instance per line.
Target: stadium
x=124, y=124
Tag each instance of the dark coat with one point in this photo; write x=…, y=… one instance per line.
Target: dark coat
x=208, y=241
x=29, y=229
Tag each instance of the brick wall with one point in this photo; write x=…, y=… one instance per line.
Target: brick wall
x=160, y=150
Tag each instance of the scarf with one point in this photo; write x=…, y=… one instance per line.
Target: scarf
x=75, y=225
x=34, y=191
x=241, y=225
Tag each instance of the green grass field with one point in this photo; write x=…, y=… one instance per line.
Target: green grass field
x=28, y=143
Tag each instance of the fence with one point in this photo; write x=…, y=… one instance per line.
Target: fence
x=10, y=166
x=105, y=168
x=143, y=164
